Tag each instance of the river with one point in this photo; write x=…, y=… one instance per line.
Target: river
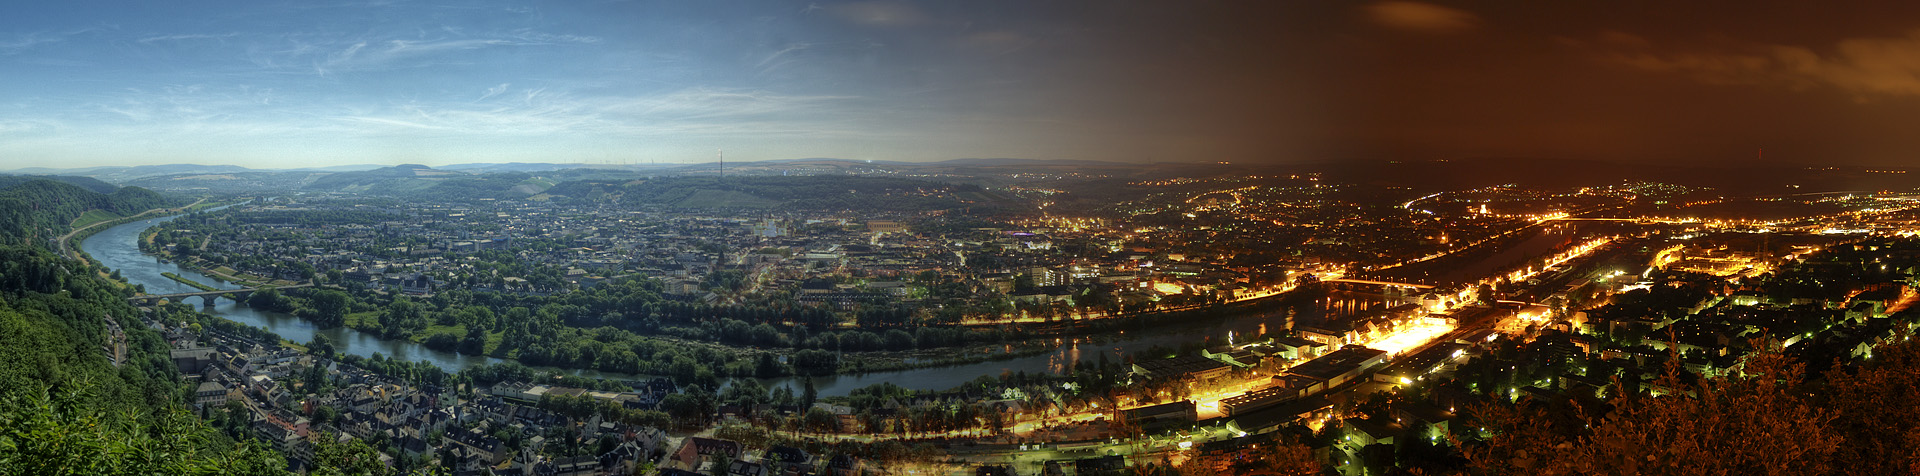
x=118, y=249
x=1473, y=265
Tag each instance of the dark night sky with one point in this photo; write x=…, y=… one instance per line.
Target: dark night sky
x=279, y=84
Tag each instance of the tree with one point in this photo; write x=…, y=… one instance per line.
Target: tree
x=445, y=341
x=815, y=362
x=808, y=394
x=329, y=307
x=355, y=457
x=475, y=343
x=67, y=433
x=401, y=318
x=1756, y=420
x=1286, y=458
x=822, y=421
x=325, y=414
x=721, y=463
x=321, y=345
x=1877, y=411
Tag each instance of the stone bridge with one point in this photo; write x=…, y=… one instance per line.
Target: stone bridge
x=207, y=297
x=1380, y=283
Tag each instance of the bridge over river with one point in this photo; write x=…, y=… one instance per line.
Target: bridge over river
x=207, y=297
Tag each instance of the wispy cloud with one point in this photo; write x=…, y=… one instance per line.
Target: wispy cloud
x=394, y=122
x=27, y=41
x=493, y=91
x=770, y=59
x=1863, y=67
x=530, y=37
x=186, y=37
x=23, y=127
x=402, y=53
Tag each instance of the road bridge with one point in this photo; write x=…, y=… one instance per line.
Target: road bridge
x=1379, y=283
x=207, y=297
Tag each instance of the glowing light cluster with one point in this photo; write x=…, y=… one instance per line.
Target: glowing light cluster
x=1411, y=336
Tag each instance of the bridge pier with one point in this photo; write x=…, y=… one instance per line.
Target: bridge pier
x=208, y=299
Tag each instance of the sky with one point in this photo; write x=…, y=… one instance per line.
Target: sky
x=270, y=84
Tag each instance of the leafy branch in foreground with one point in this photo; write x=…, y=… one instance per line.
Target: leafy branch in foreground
x=46, y=432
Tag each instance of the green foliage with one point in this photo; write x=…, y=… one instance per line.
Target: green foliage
x=327, y=308
x=402, y=318
x=355, y=458
x=66, y=409
x=71, y=433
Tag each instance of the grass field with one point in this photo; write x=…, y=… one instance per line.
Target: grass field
x=457, y=331
x=189, y=282
x=371, y=320
x=354, y=319
x=92, y=217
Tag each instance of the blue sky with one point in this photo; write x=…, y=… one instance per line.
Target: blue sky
x=289, y=84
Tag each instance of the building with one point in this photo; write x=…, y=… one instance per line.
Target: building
x=1164, y=416
x=1200, y=369
x=1285, y=388
x=192, y=361
x=788, y=461
x=1298, y=348
x=1417, y=366
x=210, y=394
x=1341, y=366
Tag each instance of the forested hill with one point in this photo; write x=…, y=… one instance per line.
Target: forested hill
x=34, y=211
x=816, y=192
x=89, y=183
x=425, y=183
x=66, y=407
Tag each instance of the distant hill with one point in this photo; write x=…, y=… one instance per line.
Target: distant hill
x=423, y=182
x=124, y=174
x=818, y=192
x=89, y=183
x=333, y=168
x=366, y=179
x=512, y=167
